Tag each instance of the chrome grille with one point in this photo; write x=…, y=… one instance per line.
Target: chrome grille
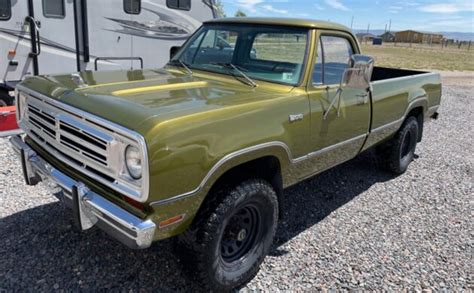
x=85, y=142
x=82, y=143
x=90, y=146
x=65, y=133
x=44, y=122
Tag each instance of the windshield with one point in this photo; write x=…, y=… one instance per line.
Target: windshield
x=269, y=53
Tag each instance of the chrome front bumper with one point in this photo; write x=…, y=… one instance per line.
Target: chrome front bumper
x=89, y=208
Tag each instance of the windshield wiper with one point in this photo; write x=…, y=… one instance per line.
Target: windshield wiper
x=184, y=65
x=250, y=81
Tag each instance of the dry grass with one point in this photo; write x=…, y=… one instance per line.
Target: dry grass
x=422, y=56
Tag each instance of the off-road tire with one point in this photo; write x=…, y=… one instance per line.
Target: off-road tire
x=399, y=152
x=202, y=246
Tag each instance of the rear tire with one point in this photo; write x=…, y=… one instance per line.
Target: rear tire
x=231, y=235
x=398, y=153
x=5, y=98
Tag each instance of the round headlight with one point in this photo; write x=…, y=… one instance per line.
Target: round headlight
x=133, y=161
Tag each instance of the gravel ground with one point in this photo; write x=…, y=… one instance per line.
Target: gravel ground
x=352, y=227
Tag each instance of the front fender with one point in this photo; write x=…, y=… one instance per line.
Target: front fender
x=188, y=204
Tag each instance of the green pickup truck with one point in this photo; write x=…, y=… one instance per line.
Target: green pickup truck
x=204, y=148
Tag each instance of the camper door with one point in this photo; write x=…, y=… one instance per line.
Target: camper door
x=15, y=44
x=55, y=21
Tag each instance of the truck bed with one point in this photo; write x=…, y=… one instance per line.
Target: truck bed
x=382, y=73
x=394, y=92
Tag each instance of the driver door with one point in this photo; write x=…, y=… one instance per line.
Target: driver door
x=339, y=135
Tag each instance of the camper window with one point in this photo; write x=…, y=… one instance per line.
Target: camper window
x=5, y=9
x=179, y=4
x=132, y=6
x=54, y=8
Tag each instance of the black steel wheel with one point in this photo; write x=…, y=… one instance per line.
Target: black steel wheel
x=240, y=234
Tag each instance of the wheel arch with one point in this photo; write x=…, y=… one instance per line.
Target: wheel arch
x=268, y=163
x=417, y=112
x=417, y=109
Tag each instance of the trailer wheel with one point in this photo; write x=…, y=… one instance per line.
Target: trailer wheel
x=398, y=153
x=231, y=236
x=5, y=99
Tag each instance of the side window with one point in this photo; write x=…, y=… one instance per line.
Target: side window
x=132, y=6
x=5, y=9
x=54, y=8
x=179, y=4
x=336, y=54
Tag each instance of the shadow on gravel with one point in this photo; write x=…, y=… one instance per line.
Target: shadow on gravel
x=311, y=201
x=40, y=248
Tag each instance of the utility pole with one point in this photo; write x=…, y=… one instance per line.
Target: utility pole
x=367, y=36
x=352, y=21
x=385, y=28
x=390, y=26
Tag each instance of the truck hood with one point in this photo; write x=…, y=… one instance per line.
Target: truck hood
x=137, y=98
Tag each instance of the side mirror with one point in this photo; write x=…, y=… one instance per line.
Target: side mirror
x=221, y=44
x=359, y=74
x=173, y=51
x=253, y=53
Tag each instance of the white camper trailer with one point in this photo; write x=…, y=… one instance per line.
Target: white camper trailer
x=57, y=36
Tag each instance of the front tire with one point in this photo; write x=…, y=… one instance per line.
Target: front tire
x=232, y=235
x=400, y=151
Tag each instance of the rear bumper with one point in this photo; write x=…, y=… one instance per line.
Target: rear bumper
x=89, y=208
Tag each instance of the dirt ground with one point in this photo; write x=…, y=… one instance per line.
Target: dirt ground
x=457, y=78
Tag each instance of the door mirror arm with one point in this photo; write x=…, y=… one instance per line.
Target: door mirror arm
x=337, y=98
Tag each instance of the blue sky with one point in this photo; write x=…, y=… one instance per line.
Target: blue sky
x=430, y=15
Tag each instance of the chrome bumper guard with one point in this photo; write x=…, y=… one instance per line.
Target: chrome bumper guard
x=89, y=208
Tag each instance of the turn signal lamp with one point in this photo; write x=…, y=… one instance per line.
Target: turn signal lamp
x=171, y=221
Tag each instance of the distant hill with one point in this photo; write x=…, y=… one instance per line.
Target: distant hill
x=449, y=35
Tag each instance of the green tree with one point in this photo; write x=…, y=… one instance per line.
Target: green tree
x=219, y=7
x=240, y=13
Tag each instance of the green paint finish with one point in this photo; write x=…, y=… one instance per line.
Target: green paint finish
x=193, y=123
